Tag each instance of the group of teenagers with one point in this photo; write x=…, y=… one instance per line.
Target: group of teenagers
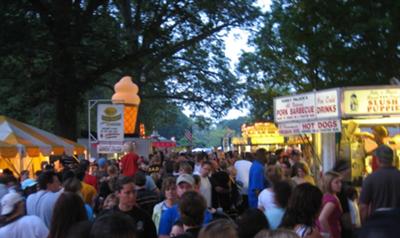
x=261, y=194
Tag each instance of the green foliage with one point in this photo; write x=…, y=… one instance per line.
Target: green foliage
x=211, y=135
x=234, y=124
x=306, y=45
x=58, y=54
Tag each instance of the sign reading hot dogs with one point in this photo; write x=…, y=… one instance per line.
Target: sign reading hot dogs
x=318, y=126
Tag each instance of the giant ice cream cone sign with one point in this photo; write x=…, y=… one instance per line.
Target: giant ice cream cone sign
x=126, y=92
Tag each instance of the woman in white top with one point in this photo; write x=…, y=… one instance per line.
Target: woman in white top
x=266, y=199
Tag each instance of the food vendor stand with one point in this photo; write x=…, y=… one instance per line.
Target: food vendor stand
x=316, y=113
x=343, y=123
x=365, y=112
x=260, y=135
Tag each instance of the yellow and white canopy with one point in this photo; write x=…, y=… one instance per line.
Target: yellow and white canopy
x=20, y=138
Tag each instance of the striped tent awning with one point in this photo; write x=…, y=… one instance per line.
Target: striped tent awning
x=17, y=137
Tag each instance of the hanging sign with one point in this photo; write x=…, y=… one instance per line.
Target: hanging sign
x=307, y=106
x=268, y=140
x=327, y=104
x=294, y=108
x=371, y=101
x=110, y=123
x=305, y=127
x=110, y=147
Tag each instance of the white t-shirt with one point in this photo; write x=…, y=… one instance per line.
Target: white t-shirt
x=243, y=170
x=25, y=227
x=266, y=199
x=205, y=189
x=354, y=213
x=41, y=204
x=197, y=169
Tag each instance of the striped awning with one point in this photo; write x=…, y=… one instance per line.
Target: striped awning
x=18, y=137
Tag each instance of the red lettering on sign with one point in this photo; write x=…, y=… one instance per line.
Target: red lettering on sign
x=302, y=110
x=322, y=109
x=282, y=112
x=308, y=126
x=327, y=124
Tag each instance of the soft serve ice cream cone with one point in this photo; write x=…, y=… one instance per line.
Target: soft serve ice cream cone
x=126, y=92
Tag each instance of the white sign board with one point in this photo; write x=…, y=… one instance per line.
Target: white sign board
x=309, y=106
x=327, y=104
x=110, y=147
x=371, y=101
x=295, y=108
x=110, y=122
x=317, y=126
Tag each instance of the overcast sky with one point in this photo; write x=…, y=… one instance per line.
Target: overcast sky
x=236, y=42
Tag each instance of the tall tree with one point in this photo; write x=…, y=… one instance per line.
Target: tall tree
x=307, y=45
x=55, y=51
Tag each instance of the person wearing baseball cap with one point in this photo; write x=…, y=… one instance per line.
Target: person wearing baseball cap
x=184, y=183
x=381, y=189
x=14, y=222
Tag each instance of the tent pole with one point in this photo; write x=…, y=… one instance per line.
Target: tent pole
x=12, y=166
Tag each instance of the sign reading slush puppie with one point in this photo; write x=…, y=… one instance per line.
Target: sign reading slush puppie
x=371, y=101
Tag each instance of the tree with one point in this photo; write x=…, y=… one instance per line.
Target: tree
x=56, y=51
x=307, y=45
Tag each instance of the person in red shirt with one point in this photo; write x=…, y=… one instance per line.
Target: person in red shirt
x=130, y=162
x=89, y=179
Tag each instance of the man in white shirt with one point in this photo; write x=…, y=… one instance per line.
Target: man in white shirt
x=17, y=224
x=242, y=167
x=42, y=202
x=205, y=183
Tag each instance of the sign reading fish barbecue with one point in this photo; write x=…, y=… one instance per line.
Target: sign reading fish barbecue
x=308, y=113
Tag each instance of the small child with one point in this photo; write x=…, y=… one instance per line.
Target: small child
x=352, y=196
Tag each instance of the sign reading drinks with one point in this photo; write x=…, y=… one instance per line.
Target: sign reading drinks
x=110, y=123
x=371, y=101
x=307, y=106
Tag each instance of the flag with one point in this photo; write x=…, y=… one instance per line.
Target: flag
x=188, y=135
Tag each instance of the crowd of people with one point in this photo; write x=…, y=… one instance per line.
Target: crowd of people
x=261, y=194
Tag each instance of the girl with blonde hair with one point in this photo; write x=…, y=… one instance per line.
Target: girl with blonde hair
x=329, y=218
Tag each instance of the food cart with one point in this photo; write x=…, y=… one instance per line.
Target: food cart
x=369, y=113
x=344, y=123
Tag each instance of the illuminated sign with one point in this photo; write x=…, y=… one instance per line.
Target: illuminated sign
x=371, y=101
x=267, y=140
x=239, y=141
x=259, y=129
